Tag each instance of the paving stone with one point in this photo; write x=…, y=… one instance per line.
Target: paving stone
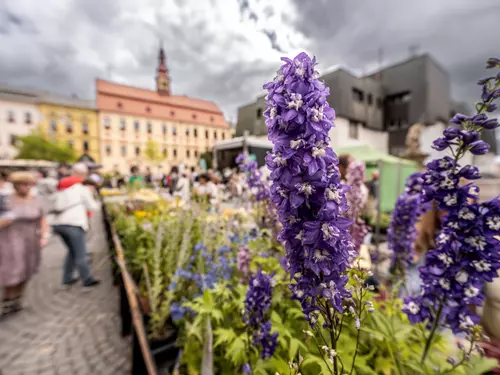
x=62, y=332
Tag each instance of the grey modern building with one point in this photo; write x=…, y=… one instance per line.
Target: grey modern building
x=390, y=100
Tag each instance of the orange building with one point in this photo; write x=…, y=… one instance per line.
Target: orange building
x=181, y=127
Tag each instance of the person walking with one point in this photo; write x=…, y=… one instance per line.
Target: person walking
x=23, y=233
x=72, y=204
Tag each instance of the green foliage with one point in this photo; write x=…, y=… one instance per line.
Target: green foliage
x=153, y=153
x=38, y=147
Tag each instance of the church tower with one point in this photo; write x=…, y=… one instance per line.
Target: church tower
x=162, y=80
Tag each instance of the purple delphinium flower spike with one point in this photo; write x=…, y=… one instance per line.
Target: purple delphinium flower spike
x=466, y=253
x=257, y=304
x=402, y=231
x=254, y=177
x=306, y=188
x=355, y=178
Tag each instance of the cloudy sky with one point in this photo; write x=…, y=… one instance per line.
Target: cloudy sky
x=224, y=50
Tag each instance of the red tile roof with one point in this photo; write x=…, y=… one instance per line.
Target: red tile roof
x=117, y=98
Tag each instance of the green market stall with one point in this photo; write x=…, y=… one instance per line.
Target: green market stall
x=393, y=171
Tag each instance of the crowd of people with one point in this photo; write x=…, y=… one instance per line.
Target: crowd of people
x=34, y=205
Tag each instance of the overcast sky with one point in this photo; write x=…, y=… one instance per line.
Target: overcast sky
x=225, y=50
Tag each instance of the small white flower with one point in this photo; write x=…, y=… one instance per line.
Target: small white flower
x=443, y=163
x=471, y=291
x=445, y=284
x=462, y=277
x=279, y=78
x=282, y=193
x=299, y=293
x=450, y=199
x=293, y=219
x=453, y=225
x=466, y=214
x=255, y=283
x=272, y=112
x=333, y=194
x=474, y=191
x=309, y=333
x=443, y=238
x=493, y=223
x=296, y=101
x=300, y=72
x=328, y=231
x=465, y=322
x=300, y=235
x=413, y=308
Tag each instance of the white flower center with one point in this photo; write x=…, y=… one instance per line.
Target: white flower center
x=300, y=235
x=295, y=102
x=471, y=291
x=306, y=188
x=299, y=293
x=443, y=163
x=443, y=238
x=493, y=223
x=320, y=255
x=466, y=322
x=481, y=265
x=445, y=259
x=413, y=308
x=279, y=160
x=317, y=114
x=273, y=112
x=453, y=224
x=328, y=231
x=279, y=78
x=296, y=143
x=476, y=242
x=318, y=152
x=445, y=284
x=462, y=277
x=466, y=214
x=447, y=183
x=333, y=195
x=293, y=220
x=450, y=199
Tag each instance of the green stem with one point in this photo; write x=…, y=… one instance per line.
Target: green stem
x=433, y=332
x=333, y=340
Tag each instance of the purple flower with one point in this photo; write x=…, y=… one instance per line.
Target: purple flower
x=479, y=148
x=306, y=188
x=466, y=251
x=257, y=304
x=440, y=144
x=243, y=260
x=355, y=177
x=254, y=177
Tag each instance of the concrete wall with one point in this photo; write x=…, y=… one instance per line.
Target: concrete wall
x=339, y=136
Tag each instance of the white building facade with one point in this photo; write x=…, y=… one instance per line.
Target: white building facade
x=347, y=133
x=19, y=116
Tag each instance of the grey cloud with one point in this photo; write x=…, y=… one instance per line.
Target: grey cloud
x=273, y=38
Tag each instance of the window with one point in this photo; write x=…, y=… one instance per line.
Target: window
x=27, y=118
x=215, y=135
x=13, y=139
x=353, y=130
x=259, y=112
x=85, y=146
x=195, y=153
x=70, y=144
x=85, y=128
x=206, y=134
x=164, y=152
x=124, y=150
x=223, y=136
x=369, y=97
x=10, y=116
x=211, y=118
x=53, y=126
x=107, y=123
x=69, y=126
x=137, y=151
x=187, y=132
x=172, y=113
x=137, y=126
x=195, y=133
x=194, y=116
x=123, y=124
x=108, y=150
x=174, y=153
x=148, y=109
x=358, y=95
x=405, y=98
x=119, y=105
x=188, y=154
x=379, y=102
x=174, y=131
x=150, y=128
x=164, y=129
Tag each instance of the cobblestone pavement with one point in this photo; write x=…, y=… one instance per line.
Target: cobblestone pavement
x=66, y=332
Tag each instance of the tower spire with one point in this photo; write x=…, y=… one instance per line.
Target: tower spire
x=162, y=80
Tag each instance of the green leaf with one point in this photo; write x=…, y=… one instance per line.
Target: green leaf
x=223, y=336
x=480, y=365
x=293, y=348
x=236, y=351
x=276, y=318
x=314, y=362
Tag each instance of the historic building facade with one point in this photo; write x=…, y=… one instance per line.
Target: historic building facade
x=181, y=127
x=19, y=116
x=72, y=121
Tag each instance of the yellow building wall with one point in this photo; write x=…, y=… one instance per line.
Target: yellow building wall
x=76, y=126
x=118, y=147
